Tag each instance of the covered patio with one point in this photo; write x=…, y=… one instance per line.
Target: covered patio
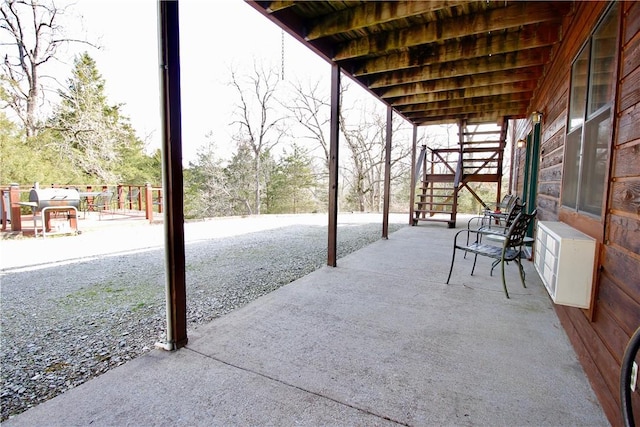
x=379, y=340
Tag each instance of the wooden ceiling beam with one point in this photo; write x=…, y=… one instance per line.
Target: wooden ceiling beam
x=529, y=37
x=474, y=118
x=275, y=6
x=515, y=107
x=514, y=15
x=471, y=81
x=466, y=67
x=372, y=13
x=462, y=102
x=472, y=92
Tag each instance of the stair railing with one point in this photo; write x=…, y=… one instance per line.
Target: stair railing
x=419, y=163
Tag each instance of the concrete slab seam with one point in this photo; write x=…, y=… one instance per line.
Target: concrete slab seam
x=279, y=381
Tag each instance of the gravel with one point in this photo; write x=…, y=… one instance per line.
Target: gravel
x=67, y=323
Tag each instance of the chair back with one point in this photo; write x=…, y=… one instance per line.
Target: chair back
x=511, y=202
x=103, y=200
x=518, y=230
x=132, y=195
x=515, y=210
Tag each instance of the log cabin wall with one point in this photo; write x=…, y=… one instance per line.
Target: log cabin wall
x=598, y=335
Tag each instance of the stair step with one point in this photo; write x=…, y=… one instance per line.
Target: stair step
x=484, y=159
x=483, y=142
x=476, y=177
x=444, y=201
x=449, y=193
x=482, y=132
x=440, y=177
x=432, y=219
x=434, y=203
x=428, y=191
x=424, y=211
x=445, y=150
x=482, y=150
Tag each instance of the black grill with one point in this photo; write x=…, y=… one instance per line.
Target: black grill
x=50, y=197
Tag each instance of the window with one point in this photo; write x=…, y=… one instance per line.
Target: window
x=589, y=123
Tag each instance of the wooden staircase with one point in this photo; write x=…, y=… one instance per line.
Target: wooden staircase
x=441, y=173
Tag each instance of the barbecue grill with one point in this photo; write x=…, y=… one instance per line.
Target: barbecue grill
x=44, y=201
x=48, y=197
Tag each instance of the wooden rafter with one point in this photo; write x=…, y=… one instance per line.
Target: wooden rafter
x=485, y=101
x=465, y=67
x=513, y=16
x=470, y=81
x=529, y=37
x=464, y=93
x=360, y=17
x=434, y=61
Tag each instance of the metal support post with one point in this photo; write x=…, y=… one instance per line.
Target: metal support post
x=333, y=166
x=387, y=174
x=172, y=175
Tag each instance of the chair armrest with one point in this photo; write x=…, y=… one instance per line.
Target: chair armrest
x=468, y=234
x=493, y=229
x=475, y=218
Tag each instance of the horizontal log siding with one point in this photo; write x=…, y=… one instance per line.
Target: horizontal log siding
x=600, y=340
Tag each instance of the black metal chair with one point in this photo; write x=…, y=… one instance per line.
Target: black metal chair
x=511, y=250
x=502, y=218
x=491, y=224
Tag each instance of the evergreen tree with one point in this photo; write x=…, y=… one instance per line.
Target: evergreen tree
x=292, y=184
x=95, y=136
x=206, y=191
x=239, y=175
x=29, y=160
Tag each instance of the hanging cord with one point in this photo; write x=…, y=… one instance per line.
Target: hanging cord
x=282, y=54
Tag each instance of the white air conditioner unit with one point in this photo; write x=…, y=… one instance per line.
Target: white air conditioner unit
x=564, y=259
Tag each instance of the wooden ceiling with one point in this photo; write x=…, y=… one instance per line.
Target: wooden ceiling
x=433, y=61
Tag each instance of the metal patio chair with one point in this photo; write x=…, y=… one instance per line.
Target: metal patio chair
x=511, y=250
x=487, y=223
x=101, y=203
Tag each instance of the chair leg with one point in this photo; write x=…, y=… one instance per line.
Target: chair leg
x=504, y=281
x=453, y=258
x=465, y=252
x=521, y=270
x=475, y=258
x=493, y=266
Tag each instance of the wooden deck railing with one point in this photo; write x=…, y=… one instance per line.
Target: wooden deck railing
x=128, y=198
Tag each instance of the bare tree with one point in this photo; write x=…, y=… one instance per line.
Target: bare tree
x=311, y=110
x=32, y=29
x=256, y=117
x=366, y=140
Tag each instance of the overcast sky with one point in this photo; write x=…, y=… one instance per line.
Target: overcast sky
x=214, y=36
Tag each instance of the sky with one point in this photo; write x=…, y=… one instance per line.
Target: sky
x=214, y=37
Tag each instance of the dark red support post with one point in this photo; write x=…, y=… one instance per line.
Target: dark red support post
x=412, y=193
x=172, y=174
x=6, y=208
x=120, y=192
x=148, y=202
x=16, y=215
x=387, y=175
x=334, y=130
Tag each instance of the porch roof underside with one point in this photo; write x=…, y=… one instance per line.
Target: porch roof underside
x=434, y=61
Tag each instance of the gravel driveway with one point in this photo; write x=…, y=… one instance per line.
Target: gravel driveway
x=99, y=301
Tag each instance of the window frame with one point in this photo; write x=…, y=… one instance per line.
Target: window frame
x=587, y=121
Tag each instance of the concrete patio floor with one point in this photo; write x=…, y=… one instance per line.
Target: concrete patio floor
x=378, y=340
